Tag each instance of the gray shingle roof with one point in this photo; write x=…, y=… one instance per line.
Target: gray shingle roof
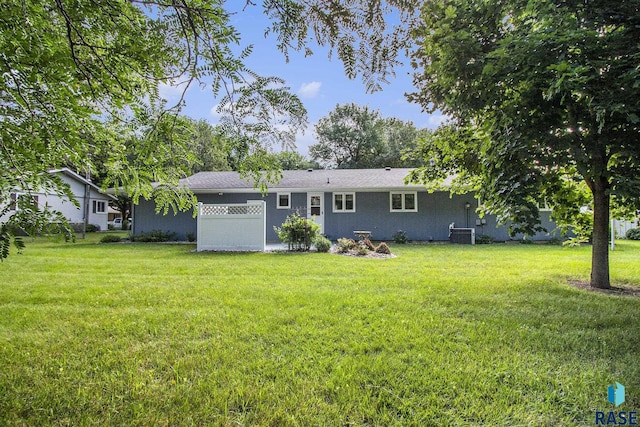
x=316, y=180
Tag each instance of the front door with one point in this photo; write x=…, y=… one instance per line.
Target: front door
x=315, y=209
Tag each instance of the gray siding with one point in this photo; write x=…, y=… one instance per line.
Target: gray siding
x=431, y=223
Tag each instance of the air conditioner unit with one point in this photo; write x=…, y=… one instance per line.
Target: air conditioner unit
x=465, y=236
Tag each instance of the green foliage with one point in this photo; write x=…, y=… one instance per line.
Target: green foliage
x=297, y=232
x=83, y=89
x=322, y=244
x=154, y=236
x=353, y=137
x=362, y=249
x=633, y=234
x=484, y=239
x=191, y=237
x=383, y=248
x=400, y=237
x=521, y=79
x=110, y=238
x=345, y=245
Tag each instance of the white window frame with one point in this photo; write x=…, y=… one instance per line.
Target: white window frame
x=97, y=204
x=403, y=194
x=288, y=206
x=344, y=202
x=15, y=197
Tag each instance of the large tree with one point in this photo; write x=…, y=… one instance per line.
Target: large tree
x=81, y=77
x=546, y=92
x=354, y=136
x=349, y=137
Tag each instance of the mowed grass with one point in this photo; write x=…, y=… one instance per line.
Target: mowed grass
x=150, y=334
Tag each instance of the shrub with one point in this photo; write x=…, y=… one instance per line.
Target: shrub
x=362, y=249
x=345, y=245
x=298, y=232
x=191, y=237
x=400, y=237
x=383, y=248
x=526, y=241
x=322, y=244
x=367, y=243
x=555, y=241
x=110, y=238
x=154, y=236
x=484, y=239
x=633, y=234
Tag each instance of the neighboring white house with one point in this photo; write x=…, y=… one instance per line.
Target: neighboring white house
x=85, y=192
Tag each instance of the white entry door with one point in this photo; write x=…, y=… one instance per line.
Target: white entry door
x=315, y=208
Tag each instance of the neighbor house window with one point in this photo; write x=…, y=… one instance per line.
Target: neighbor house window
x=284, y=200
x=402, y=201
x=344, y=202
x=14, y=197
x=12, y=203
x=99, y=207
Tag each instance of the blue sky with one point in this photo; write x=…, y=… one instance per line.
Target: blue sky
x=320, y=83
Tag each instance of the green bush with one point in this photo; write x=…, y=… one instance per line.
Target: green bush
x=322, y=244
x=484, y=239
x=383, y=248
x=400, y=237
x=345, y=245
x=362, y=249
x=110, y=238
x=633, y=234
x=191, y=237
x=154, y=236
x=297, y=232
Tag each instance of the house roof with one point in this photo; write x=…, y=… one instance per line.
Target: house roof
x=307, y=180
x=79, y=178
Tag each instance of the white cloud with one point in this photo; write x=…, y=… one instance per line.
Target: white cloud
x=171, y=92
x=309, y=90
x=436, y=120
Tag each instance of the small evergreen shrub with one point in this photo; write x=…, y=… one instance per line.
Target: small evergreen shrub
x=400, y=237
x=555, y=241
x=345, y=245
x=362, y=249
x=298, y=232
x=110, y=238
x=322, y=244
x=191, y=237
x=154, y=236
x=484, y=239
x=383, y=248
x=633, y=234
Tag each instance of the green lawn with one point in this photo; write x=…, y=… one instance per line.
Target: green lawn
x=144, y=334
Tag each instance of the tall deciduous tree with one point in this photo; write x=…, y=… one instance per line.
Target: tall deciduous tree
x=353, y=136
x=349, y=137
x=548, y=90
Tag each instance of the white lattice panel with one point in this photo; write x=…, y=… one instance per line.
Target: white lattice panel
x=209, y=210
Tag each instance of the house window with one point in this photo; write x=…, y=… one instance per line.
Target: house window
x=403, y=201
x=13, y=203
x=284, y=201
x=344, y=202
x=99, y=206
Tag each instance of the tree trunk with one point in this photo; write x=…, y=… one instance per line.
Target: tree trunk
x=600, y=248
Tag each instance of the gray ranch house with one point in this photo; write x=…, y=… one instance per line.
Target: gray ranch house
x=341, y=201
